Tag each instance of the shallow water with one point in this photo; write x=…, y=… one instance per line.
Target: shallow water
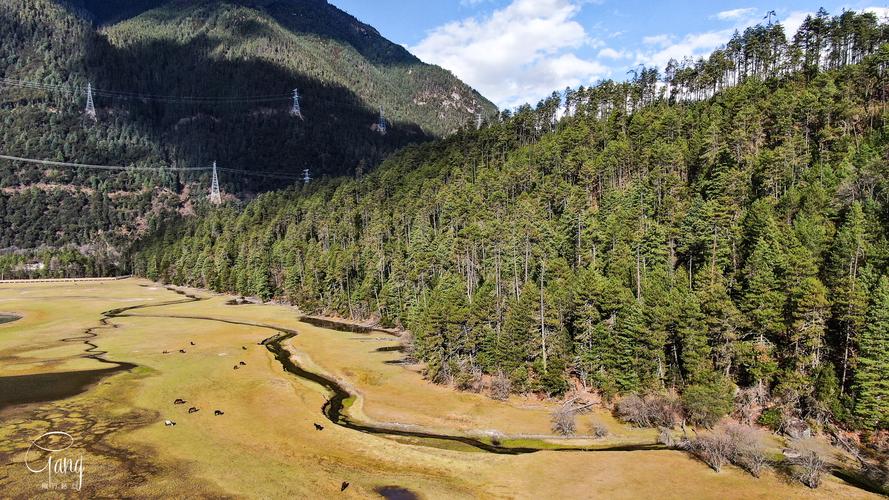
x=6, y=318
x=396, y=493
x=41, y=387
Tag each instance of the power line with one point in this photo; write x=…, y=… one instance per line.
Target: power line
x=117, y=94
x=274, y=175
x=97, y=167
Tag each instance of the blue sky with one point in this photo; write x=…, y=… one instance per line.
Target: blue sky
x=517, y=51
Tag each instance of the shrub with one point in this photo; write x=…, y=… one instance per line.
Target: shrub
x=649, y=411
x=809, y=468
x=468, y=378
x=773, y=418
x=747, y=450
x=706, y=403
x=714, y=449
x=736, y=444
x=564, y=421
x=665, y=437
x=599, y=430
x=501, y=387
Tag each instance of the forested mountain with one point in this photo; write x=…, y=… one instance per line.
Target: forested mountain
x=185, y=83
x=723, y=227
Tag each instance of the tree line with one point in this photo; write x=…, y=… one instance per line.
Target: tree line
x=730, y=248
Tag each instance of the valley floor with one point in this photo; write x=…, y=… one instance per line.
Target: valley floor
x=266, y=443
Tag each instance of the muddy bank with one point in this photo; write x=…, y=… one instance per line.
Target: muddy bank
x=342, y=325
x=48, y=387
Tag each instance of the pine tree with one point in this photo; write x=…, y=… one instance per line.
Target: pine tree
x=872, y=376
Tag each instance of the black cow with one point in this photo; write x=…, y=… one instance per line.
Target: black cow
x=179, y=402
x=193, y=410
x=218, y=413
x=319, y=427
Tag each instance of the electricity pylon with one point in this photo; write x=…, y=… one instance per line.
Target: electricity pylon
x=296, y=110
x=90, y=105
x=381, y=127
x=215, y=195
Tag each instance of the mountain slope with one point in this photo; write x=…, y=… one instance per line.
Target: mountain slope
x=224, y=51
x=647, y=242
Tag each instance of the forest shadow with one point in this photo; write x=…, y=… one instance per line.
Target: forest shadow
x=336, y=136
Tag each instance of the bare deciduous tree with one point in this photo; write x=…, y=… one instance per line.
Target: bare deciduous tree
x=809, y=468
x=501, y=387
x=649, y=411
x=665, y=437
x=714, y=449
x=747, y=449
x=564, y=420
x=749, y=403
x=598, y=429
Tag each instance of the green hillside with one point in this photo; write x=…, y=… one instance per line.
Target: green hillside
x=655, y=239
x=225, y=52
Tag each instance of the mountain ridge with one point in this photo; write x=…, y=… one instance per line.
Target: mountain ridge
x=223, y=50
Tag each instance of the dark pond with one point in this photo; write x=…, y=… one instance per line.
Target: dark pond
x=396, y=493
x=24, y=389
x=7, y=318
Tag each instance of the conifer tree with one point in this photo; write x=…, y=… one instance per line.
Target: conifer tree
x=872, y=375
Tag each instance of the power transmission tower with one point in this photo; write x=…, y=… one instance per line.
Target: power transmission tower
x=297, y=109
x=90, y=105
x=215, y=196
x=381, y=127
x=306, y=177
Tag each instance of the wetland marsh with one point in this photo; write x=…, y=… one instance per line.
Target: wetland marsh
x=386, y=431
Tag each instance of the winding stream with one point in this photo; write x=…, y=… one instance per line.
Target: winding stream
x=334, y=409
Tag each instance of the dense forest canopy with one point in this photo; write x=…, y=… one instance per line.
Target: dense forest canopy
x=221, y=51
x=721, y=226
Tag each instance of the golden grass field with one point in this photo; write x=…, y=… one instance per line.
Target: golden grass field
x=265, y=445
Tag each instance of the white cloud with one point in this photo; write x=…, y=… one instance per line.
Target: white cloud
x=693, y=45
x=793, y=21
x=519, y=53
x=734, y=14
x=609, y=53
x=881, y=12
x=662, y=40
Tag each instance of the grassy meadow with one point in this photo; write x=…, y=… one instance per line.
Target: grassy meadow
x=265, y=444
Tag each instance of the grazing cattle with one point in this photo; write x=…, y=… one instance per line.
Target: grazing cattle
x=344, y=486
x=218, y=413
x=166, y=352
x=179, y=402
x=192, y=343
x=242, y=363
x=182, y=351
x=235, y=367
x=243, y=347
x=319, y=427
x=169, y=423
x=193, y=410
